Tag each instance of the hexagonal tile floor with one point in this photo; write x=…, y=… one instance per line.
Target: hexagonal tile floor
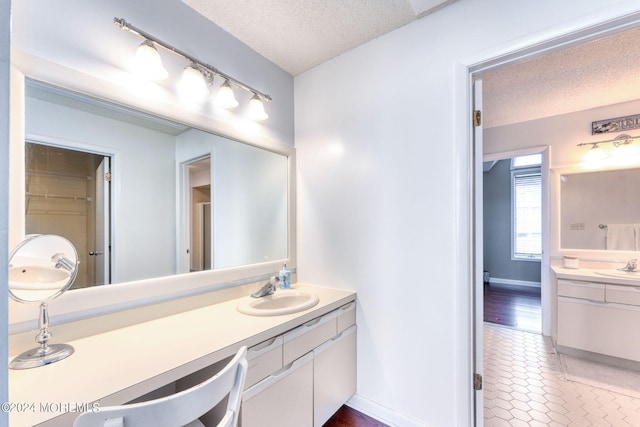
x=524, y=386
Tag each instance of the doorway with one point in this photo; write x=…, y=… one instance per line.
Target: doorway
x=198, y=207
x=68, y=194
x=512, y=244
x=551, y=250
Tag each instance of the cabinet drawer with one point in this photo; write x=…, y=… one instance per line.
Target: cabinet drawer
x=308, y=336
x=623, y=294
x=584, y=290
x=263, y=359
x=346, y=316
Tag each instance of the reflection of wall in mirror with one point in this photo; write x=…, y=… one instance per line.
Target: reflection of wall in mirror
x=594, y=198
x=249, y=211
x=144, y=220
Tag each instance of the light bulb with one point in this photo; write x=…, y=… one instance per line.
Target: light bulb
x=192, y=85
x=625, y=154
x=594, y=157
x=226, y=98
x=147, y=62
x=255, y=109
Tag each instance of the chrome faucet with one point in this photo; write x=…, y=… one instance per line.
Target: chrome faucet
x=267, y=289
x=63, y=262
x=632, y=265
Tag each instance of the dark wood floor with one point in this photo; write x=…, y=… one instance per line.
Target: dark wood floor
x=349, y=417
x=518, y=308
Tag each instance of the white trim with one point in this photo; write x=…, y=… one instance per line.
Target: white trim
x=382, y=413
x=514, y=282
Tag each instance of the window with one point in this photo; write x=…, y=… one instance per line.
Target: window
x=526, y=200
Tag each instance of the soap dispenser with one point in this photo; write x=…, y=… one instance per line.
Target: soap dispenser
x=285, y=277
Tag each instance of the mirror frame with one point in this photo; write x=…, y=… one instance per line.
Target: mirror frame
x=586, y=254
x=84, y=303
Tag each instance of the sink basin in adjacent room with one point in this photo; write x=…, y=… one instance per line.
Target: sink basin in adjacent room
x=35, y=277
x=281, y=302
x=621, y=274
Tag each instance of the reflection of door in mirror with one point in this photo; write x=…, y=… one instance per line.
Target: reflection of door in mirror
x=199, y=189
x=67, y=194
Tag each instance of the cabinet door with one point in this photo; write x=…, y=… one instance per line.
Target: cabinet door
x=284, y=399
x=334, y=375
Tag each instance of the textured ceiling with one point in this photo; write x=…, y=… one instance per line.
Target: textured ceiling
x=300, y=34
x=593, y=74
x=297, y=35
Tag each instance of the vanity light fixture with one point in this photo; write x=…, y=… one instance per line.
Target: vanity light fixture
x=147, y=62
x=255, y=109
x=201, y=75
x=625, y=151
x=192, y=85
x=226, y=98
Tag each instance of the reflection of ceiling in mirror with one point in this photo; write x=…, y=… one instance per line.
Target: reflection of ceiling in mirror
x=98, y=107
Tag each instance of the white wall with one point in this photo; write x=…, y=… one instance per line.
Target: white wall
x=562, y=133
x=5, y=6
x=379, y=194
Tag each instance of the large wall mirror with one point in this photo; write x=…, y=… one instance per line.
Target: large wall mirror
x=593, y=203
x=142, y=197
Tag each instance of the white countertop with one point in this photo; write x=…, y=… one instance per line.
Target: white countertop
x=590, y=275
x=117, y=366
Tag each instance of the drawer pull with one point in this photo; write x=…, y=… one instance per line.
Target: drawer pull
x=348, y=306
x=312, y=322
x=256, y=348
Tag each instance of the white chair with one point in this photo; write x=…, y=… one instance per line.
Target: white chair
x=180, y=409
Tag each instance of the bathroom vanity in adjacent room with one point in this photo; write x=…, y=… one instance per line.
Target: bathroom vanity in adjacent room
x=598, y=311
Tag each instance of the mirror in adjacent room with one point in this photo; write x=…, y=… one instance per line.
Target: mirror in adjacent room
x=596, y=206
x=142, y=196
x=41, y=268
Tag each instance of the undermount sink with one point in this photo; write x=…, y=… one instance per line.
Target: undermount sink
x=281, y=302
x=34, y=277
x=622, y=274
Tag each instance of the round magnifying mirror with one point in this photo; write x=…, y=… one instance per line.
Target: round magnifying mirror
x=41, y=268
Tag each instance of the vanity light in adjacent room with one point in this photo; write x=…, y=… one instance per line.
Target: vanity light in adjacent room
x=226, y=97
x=192, y=85
x=255, y=109
x=595, y=155
x=626, y=152
x=147, y=62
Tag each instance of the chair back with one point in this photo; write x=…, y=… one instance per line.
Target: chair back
x=182, y=408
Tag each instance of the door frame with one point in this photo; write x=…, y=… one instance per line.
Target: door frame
x=465, y=71
x=114, y=185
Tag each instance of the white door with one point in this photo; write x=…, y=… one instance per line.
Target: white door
x=478, y=284
x=102, y=250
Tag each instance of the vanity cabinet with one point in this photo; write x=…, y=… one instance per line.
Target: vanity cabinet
x=303, y=376
x=599, y=318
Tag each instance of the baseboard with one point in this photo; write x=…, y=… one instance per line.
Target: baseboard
x=382, y=413
x=600, y=358
x=512, y=282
